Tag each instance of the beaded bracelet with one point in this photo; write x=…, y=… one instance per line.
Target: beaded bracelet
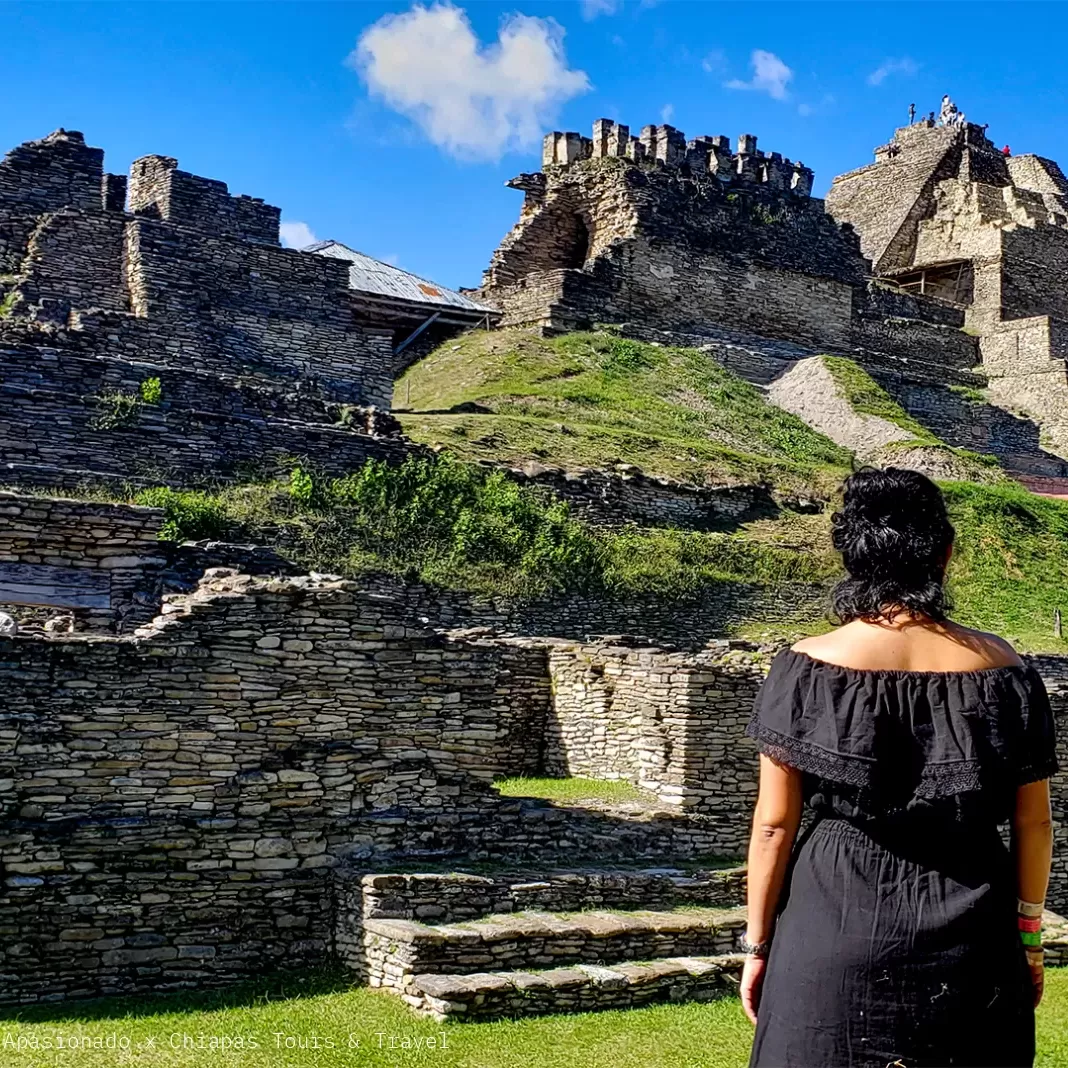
x=1029, y=924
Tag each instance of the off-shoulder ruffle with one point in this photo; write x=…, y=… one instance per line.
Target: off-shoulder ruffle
x=904, y=734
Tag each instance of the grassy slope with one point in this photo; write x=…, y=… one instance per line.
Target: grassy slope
x=594, y=400
x=867, y=397
x=715, y=1035
x=1010, y=568
x=1009, y=571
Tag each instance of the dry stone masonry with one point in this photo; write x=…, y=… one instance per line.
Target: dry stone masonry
x=943, y=212
x=99, y=564
x=941, y=256
x=107, y=284
x=274, y=769
x=199, y=801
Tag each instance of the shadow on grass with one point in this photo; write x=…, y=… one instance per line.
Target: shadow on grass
x=279, y=986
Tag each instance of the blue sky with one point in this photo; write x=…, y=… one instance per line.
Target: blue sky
x=393, y=128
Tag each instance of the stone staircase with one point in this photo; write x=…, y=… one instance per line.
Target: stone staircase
x=527, y=943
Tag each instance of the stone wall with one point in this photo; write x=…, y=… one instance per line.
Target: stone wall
x=670, y=722
x=171, y=803
x=47, y=544
x=60, y=426
x=189, y=278
x=676, y=239
x=688, y=621
x=627, y=495
x=944, y=198
x=453, y=897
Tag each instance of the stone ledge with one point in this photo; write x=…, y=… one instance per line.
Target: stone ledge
x=582, y=988
x=440, y=897
x=395, y=950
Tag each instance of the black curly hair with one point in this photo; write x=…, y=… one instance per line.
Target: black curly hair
x=894, y=535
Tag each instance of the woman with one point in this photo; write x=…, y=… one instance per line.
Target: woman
x=901, y=931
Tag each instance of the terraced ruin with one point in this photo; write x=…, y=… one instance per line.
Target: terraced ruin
x=298, y=575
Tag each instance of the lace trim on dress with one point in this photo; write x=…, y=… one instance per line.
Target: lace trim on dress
x=813, y=759
x=935, y=780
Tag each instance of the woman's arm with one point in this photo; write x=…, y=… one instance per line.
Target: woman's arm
x=1032, y=844
x=775, y=821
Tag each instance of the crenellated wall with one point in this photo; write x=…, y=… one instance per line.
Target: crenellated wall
x=187, y=278
x=689, y=237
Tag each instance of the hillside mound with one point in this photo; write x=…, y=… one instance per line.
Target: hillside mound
x=595, y=400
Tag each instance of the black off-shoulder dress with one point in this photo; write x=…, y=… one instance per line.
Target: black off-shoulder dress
x=896, y=940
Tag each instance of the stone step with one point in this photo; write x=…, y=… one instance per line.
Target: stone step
x=450, y=897
x=582, y=988
x=396, y=950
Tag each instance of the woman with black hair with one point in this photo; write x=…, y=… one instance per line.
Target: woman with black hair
x=900, y=931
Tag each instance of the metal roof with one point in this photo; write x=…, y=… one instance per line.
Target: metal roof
x=367, y=275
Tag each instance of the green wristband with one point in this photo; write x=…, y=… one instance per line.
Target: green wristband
x=1031, y=938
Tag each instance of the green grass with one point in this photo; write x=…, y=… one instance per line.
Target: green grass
x=301, y=1008
x=598, y=400
x=867, y=397
x=1010, y=566
x=1009, y=572
x=568, y=791
x=970, y=394
x=460, y=526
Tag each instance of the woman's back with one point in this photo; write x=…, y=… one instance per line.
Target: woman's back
x=920, y=647
x=892, y=924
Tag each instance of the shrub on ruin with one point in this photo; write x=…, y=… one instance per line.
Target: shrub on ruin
x=444, y=517
x=189, y=515
x=152, y=391
x=115, y=410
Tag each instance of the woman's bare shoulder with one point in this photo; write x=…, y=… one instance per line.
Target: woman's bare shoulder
x=945, y=647
x=827, y=645
x=994, y=650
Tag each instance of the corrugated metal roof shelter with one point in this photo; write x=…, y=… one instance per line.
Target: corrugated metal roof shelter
x=367, y=275
x=420, y=313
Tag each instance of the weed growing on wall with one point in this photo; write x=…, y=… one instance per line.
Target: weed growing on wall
x=152, y=391
x=7, y=305
x=189, y=515
x=115, y=410
x=445, y=517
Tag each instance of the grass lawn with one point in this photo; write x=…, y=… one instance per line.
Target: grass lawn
x=568, y=791
x=292, y=1024
x=596, y=400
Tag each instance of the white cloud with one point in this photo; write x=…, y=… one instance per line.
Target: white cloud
x=667, y=113
x=715, y=62
x=296, y=234
x=592, y=8
x=770, y=75
x=473, y=100
x=904, y=65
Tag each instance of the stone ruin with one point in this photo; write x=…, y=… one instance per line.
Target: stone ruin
x=943, y=213
x=258, y=354
x=939, y=268
x=222, y=767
